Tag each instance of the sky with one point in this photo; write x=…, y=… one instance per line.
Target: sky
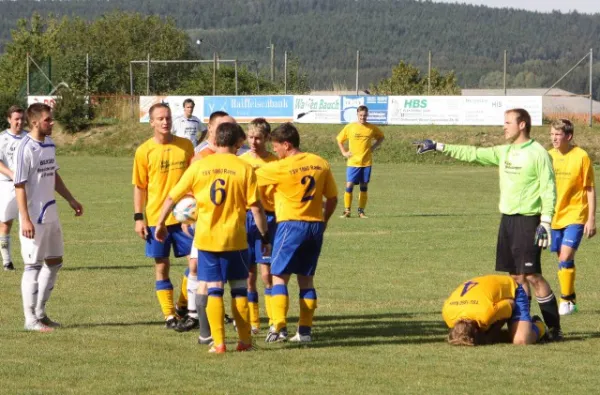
x=581, y=6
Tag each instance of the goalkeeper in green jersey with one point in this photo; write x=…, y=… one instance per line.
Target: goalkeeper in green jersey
x=527, y=201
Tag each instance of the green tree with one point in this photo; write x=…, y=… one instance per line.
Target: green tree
x=407, y=80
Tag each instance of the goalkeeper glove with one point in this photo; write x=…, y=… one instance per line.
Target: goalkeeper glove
x=543, y=232
x=424, y=146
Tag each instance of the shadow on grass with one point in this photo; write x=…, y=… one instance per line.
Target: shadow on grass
x=79, y=268
x=439, y=215
x=115, y=324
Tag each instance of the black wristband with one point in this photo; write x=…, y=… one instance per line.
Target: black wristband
x=138, y=217
x=265, y=239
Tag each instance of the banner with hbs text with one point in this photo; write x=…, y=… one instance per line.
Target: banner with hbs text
x=391, y=110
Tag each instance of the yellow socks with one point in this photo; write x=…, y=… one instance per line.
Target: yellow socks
x=215, y=311
x=279, y=306
x=308, y=304
x=239, y=308
x=268, y=305
x=164, y=293
x=566, y=279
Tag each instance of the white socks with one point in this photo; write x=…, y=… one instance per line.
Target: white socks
x=29, y=290
x=46, y=281
x=192, y=285
x=5, y=249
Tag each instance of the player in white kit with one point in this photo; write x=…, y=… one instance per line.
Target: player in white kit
x=36, y=179
x=9, y=139
x=188, y=126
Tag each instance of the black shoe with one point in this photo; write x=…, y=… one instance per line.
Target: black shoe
x=9, y=267
x=228, y=319
x=181, y=311
x=171, y=323
x=555, y=334
x=187, y=324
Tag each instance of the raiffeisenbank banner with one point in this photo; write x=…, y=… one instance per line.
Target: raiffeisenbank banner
x=391, y=110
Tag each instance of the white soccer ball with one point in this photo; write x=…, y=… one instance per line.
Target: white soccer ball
x=185, y=210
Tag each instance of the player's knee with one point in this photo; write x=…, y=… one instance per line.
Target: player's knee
x=5, y=227
x=536, y=280
x=266, y=279
x=237, y=284
x=364, y=188
x=54, y=261
x=349, y=189
x=520, y=340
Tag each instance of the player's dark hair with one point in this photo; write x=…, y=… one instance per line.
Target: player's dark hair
x=35, y=111
x=286, y=132
x=229, y=134
x=158, y=105
x=522, y=116
x=563, y=125
x=362, y=108
x=14, y=109
x=216, y=115
x=464, y=333
x=189, y=101
x=261, y=125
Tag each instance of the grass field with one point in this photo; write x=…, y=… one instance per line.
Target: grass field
x=381, y=283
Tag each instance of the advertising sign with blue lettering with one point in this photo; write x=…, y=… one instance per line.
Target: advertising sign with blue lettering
x=245, y=108
x=377, y=105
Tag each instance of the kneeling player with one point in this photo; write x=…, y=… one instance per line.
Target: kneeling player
x=477, y=310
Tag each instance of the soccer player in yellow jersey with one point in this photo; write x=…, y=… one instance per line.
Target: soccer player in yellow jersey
x=360, y=136
x=158, y=165
x=259, y=131
x=301, y=181
x=477, y=310
x=575, y=207
x=223, y=185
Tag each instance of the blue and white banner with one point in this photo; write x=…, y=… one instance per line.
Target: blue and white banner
x=245, y=108
x=317, y=109
x=377, y=105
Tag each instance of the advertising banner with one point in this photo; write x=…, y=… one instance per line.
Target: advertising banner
x=49, y=100
x=245, y=108
x=377, y=105
x=317, y=109
x=460, y=110
x=174, y=102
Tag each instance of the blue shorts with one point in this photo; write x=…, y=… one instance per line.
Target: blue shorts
x=570, y=236
x=254, y=244
x=521, y=309
x=297, y=247
x=222, y=266
x=358, y=175
x=181, y=242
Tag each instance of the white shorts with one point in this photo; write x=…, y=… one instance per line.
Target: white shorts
x=8, y=202
x=47, y=243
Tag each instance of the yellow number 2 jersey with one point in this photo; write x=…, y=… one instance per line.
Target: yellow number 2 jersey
x=157, y=168
x=223, y=185
x=574, y=173
x=360, y=139
x=266, y=193
x=301, y=181
x=486, y=300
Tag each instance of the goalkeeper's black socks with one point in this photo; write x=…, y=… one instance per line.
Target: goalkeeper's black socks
x=549, y=309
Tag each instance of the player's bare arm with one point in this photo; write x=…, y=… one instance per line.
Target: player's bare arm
x=6, y=171
x=160, y=233
x=260, y=218
x=377, y=144
x=27, y=228
x=589, y=228
x=330, y=205
x=346, y=153
x=139, y=199
x=63, y=191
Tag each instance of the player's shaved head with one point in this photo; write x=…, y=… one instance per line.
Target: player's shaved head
x=36, y=110
x=464, y=333
x=522, y=116
x=157, y=106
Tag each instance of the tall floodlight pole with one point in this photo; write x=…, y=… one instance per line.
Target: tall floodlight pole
x=504, y=79
x=429, y=75
x=591, y=90
x=357, y=65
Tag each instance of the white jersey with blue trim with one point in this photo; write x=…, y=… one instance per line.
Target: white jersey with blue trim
x=8, y=146
x=188, y=128
x=36, y=167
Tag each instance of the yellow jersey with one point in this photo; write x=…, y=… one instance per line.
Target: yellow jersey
x=574, y=172
x=360, y=139
x=223, y=186
x=301, y=181
x=157, y=168
x=265, y=193
x=485, y=299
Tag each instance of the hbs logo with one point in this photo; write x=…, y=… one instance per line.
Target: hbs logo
x=415, y=103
